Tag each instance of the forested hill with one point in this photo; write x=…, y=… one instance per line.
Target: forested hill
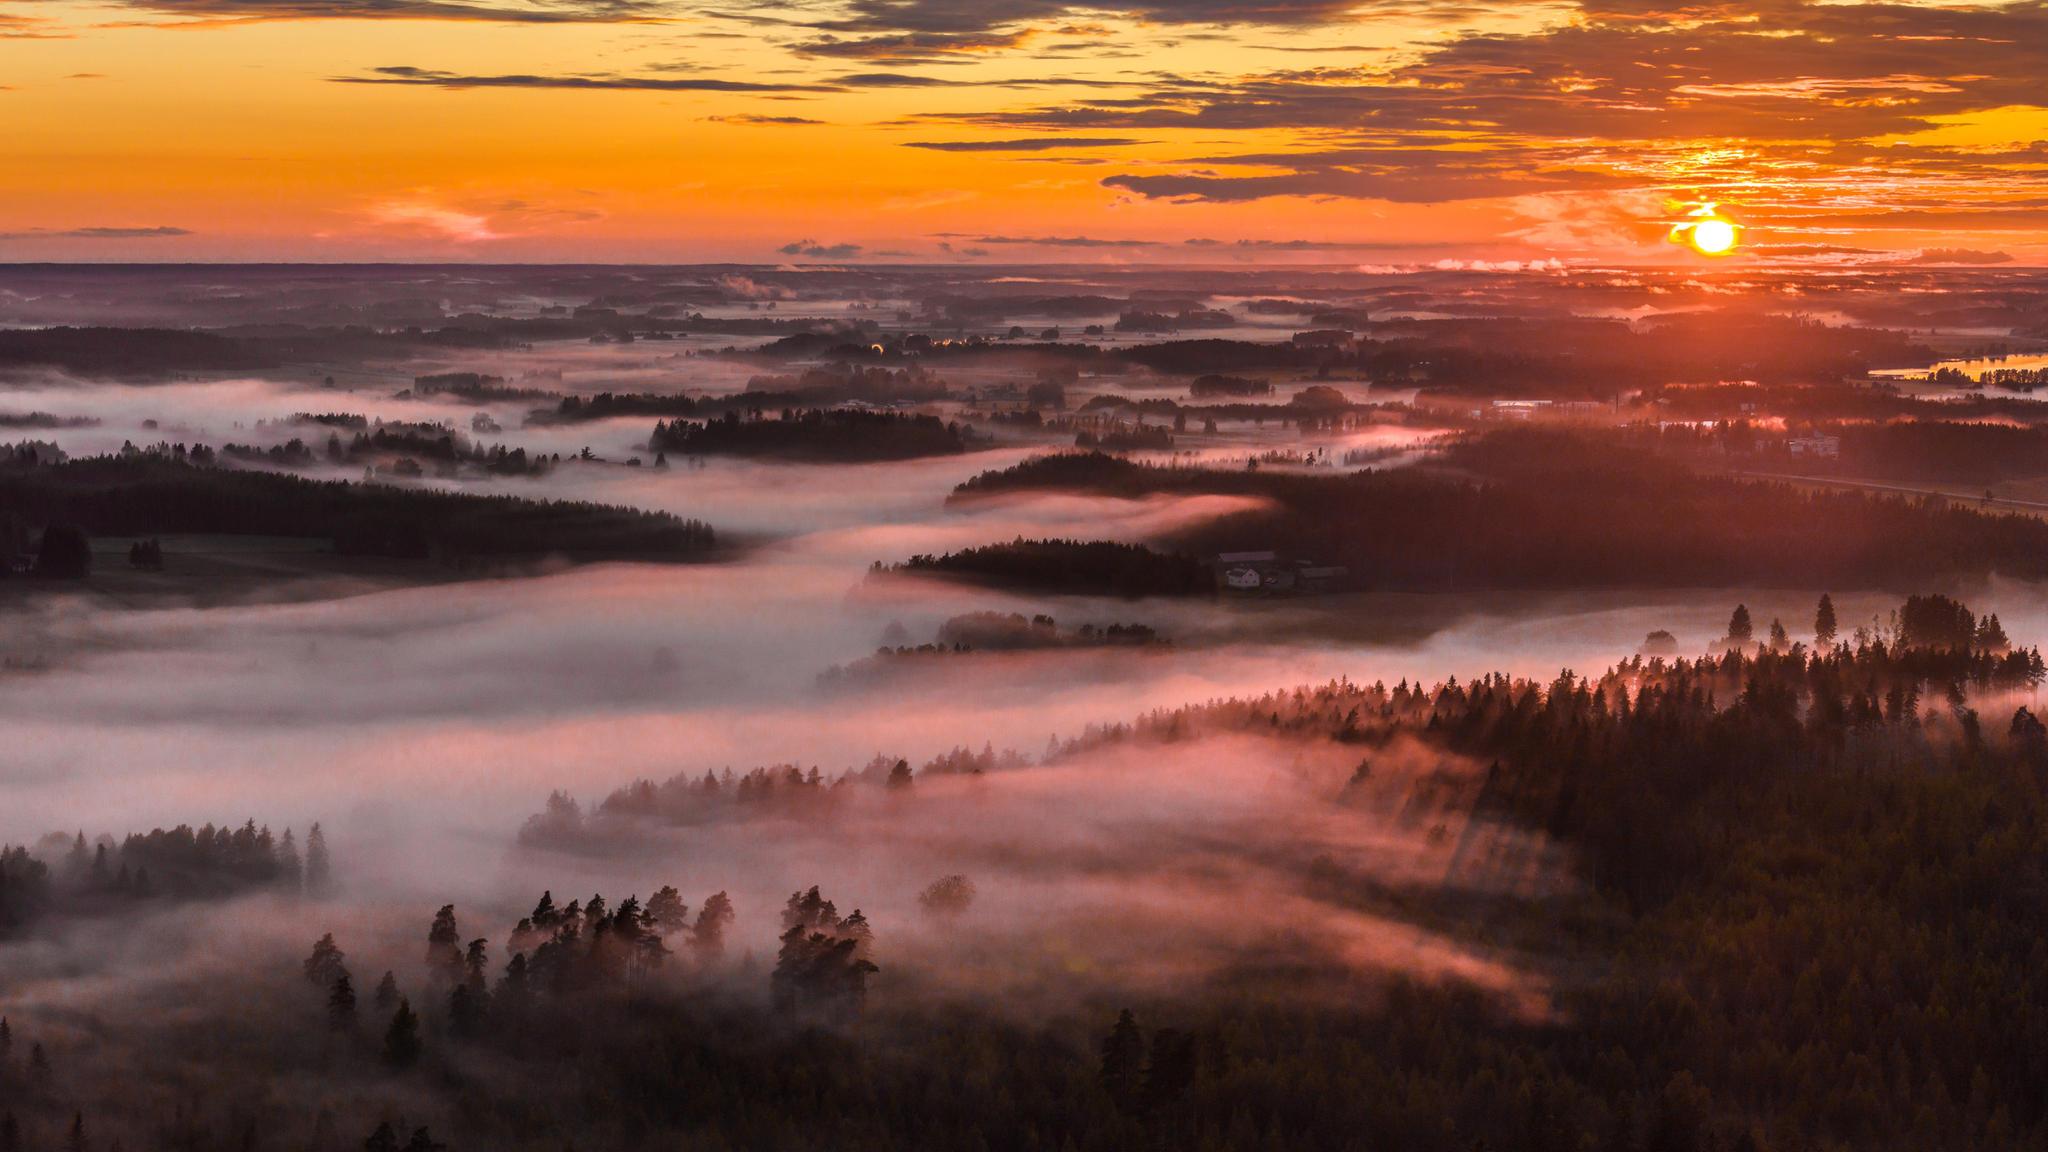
x=144, y=495
x=1563, y=513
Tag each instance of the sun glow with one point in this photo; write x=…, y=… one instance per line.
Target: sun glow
x=1707, y=232
x=1713, y=236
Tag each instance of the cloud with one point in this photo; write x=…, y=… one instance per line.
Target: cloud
x=912, y=47
x=1958, y=256
x=101, y=233
x=1066, y=242
x=434, y=220
x=818, y=251
x=894, y=80
x=1402, y=175
x=211, y=12
x=1313, y=245
x=1780, y=106
x=1032, y=144
x=406, y=75
x=764, y=121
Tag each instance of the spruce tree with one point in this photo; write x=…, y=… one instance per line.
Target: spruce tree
x=1123, y=1062
x=341, y=1003
x=387, y=991
x=402, y=1040
x=319, y=869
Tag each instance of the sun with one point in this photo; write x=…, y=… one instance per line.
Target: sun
x=1712, y=236
x=1706, y=231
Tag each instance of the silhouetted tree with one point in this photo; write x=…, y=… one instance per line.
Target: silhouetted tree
x=402, y=1039
x=386, y=994
x=319, y=869
x=1824, y=623
x=1123, y=1062
x=341, y=1004
x=948, y=896
x=66, y=553
x=666, y=911
x=1740, y=630
x=707, y=936
x=325, y=963
x=444, y=946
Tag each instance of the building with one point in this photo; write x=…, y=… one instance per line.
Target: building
x=1821, y=447
x=1270, y=574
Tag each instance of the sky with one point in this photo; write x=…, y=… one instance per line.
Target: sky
x=1381, y=133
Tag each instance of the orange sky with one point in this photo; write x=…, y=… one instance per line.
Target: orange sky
x=1389, y=132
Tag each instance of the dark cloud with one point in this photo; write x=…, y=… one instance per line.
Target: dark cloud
x=1032, y=144
x=1315, y=245
x=911, y=47
x=1721, y=98
x=927, y=30
x=1066, y=242
x=746, y=118
x=815, y=250
x=1404, y=175
x=430, y=78
x=894, y=80
x=548, y=12
x=158, y=232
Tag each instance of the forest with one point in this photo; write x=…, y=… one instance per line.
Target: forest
x=1539, y=509
x=846, y=435
x=988, y=632
x=1078, y=567
x=1813, y=921
x=152, y=493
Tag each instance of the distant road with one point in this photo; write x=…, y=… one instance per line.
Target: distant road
x=1976, y=499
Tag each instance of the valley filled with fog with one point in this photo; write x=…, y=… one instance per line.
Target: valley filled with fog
x=1337, y=670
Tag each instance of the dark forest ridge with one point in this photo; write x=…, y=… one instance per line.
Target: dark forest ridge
x=147, y=494
x=1529, y=509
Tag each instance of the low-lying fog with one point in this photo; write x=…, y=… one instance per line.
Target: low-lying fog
x=423, y=725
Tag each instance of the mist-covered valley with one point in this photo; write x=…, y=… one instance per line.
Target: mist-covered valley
x=1288, y=710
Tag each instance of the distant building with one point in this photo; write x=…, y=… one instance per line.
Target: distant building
x=1823, y=447
x=1270, y=574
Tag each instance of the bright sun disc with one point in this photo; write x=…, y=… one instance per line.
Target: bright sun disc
x=1712, y=236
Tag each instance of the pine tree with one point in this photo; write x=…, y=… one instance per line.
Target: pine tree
x=382, y=1140
x=1824, y=623
x=319, y=869
x=74, y=1140
x=667, y=912
x=325, y=963
x=707, y=936
x=341, y=1004
x=444, y=946
x=386, y=994
x=1780, y=640
x=402, y=1040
